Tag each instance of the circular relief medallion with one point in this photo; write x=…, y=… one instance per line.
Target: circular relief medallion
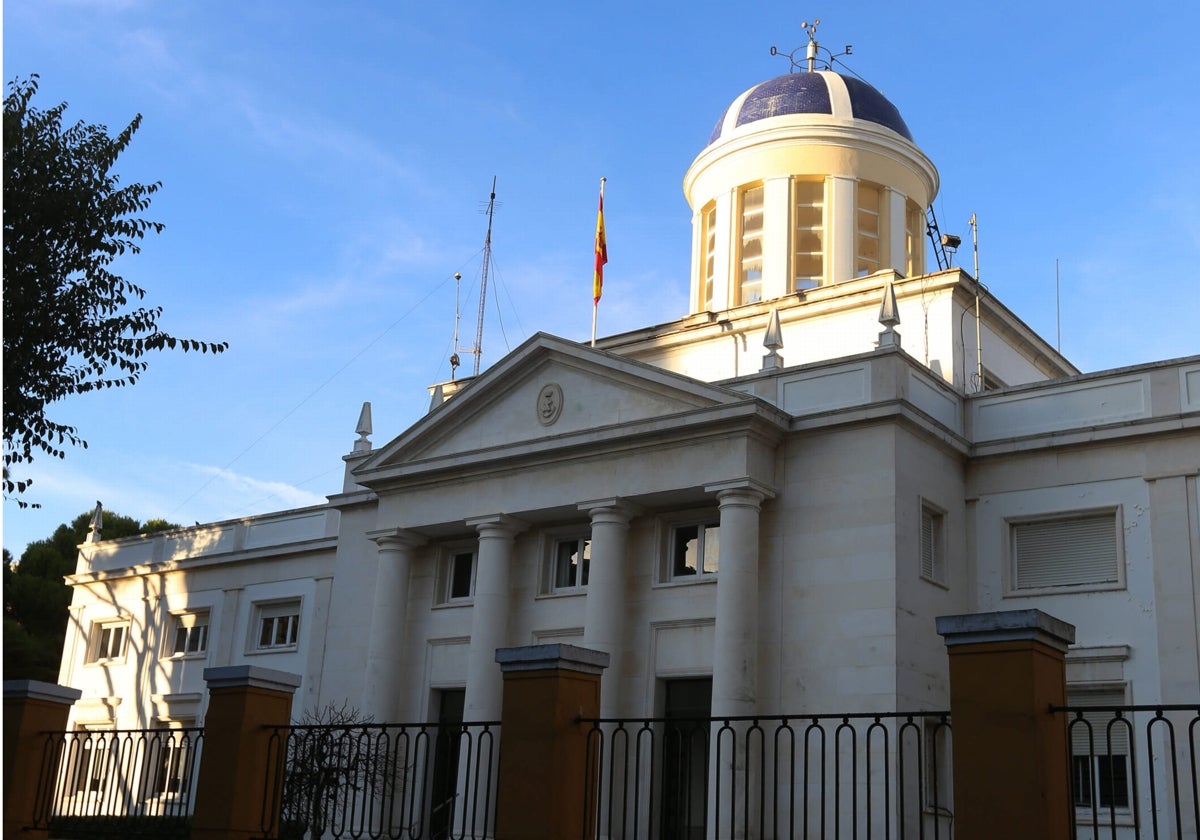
x=549, y=403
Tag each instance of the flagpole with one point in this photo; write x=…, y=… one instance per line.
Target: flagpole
x=601, y=254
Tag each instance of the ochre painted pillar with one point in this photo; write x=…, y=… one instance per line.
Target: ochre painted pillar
x=543, y=748
x=31, y=709
x=1011, y=771
x=238, y=779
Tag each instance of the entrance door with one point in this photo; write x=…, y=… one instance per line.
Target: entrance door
x=687, y=710
x=444, y=785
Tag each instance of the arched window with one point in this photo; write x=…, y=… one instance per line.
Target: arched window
x=914, y=240
x=708, y=266
x=868, y=240
x=750, y=256
x=808, y=234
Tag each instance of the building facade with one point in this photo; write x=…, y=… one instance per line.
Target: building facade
x=757, y=508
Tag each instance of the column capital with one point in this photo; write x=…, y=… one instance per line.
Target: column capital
x=396, y=539
x=741, y=491
x=613, y=510
x=498, y=525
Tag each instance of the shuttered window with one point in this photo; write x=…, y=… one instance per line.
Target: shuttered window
x=1066, y=551
x=1099, y=750
x=933, y=562
x=1100, y=731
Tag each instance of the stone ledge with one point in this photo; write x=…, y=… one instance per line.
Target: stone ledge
x=552, y=656
x=1006, y=626
x=253, y=676
x=38, y=690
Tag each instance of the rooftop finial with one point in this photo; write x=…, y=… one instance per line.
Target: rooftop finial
x=889, y=316
x=363, y=429
x=773, y=341
x=97, y=524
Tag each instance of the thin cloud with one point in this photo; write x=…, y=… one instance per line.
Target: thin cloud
x=243, y=494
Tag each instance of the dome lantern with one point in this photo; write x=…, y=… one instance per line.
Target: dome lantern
x=808, y=180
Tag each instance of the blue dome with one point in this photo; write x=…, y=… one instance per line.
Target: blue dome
x=809, y=93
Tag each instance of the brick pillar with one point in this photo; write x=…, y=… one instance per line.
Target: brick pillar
x=541, y=786
x=233, y=791
x=1011, y=771
x=31, y=709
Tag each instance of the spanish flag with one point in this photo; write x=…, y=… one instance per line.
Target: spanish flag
x=601, y=250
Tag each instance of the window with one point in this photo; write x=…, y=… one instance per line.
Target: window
x=939, y=789
x=189, y=636
x=808, y=234
x=1099, y=770
x=914, y=240
x=96, y=748
x=108, y=642
x=572, y=563
x=868, y=242
x=278, y=626
x=694, y=550
x=750, y=279
x=172, y=755
x=933, y=544
x=709, y=259
x=1068, y=550
x=456, y=580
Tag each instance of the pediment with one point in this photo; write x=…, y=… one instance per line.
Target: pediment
x=546, y=391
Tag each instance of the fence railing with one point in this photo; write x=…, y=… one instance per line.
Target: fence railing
x=1134, y=770
x=93, y=779
x=872, y=775
x=394, y=780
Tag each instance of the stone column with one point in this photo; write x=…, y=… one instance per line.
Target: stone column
x=474, y=808
x=1011, y=771
x=841, y=225
x=31, y=709
x=735, y=652
x=544, y=751
x=386, y=643
x=489, y=615
x=238, y=788
x=604, y=611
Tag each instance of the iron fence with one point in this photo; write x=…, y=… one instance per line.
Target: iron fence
x=1133, y=770
x=828, y=775
x=94, y=782
x=377, y=780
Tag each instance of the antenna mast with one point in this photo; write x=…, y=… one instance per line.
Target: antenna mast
x=487, y=259
x=978, y=328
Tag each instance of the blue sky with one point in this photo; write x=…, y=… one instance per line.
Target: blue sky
x=324, y=168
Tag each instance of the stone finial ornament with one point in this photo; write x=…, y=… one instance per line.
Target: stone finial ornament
x=363, y=429
x=96, y=527
x=889, y=316
x=773, y=341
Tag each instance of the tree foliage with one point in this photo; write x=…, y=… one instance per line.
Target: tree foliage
x=36, y=597
x=71, y=325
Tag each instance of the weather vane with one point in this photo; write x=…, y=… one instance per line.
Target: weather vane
x=811, y=50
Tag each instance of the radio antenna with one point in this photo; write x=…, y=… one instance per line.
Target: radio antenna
x=483, y=281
